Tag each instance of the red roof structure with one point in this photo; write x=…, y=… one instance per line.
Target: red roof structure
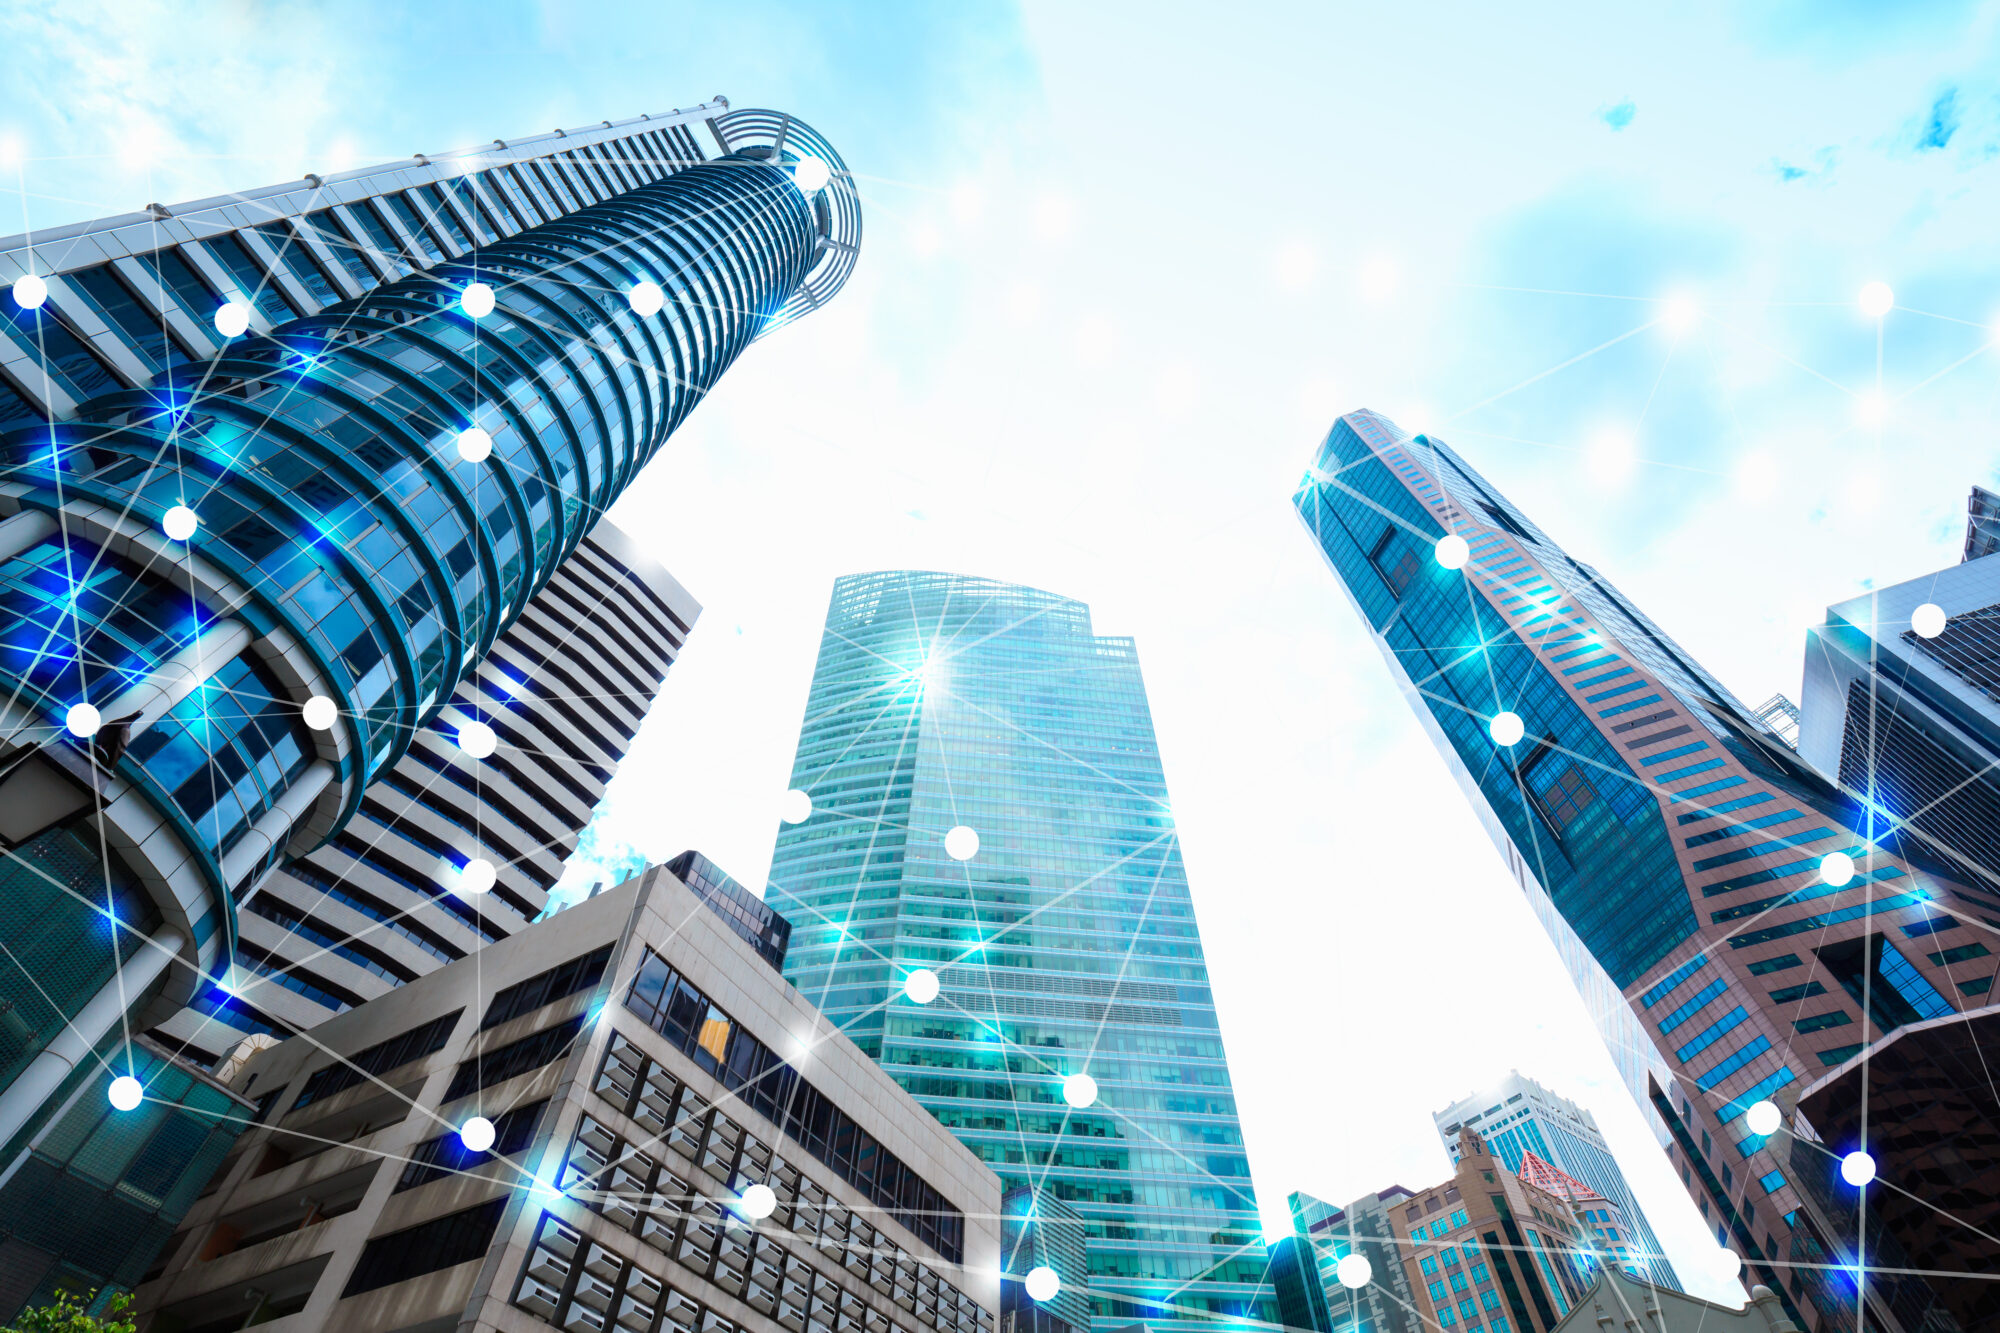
x=1544, y=1176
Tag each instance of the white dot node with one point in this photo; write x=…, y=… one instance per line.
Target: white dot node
x=961, y=844
x=759, y=1202
x=476, y=300
x=1857, y=1168
x=796, y=807
x=1679, y=314
x=476, y=1134
x=180, y=522
x=1042, y=1283
x=127, y=1092
x=1506, y=728
x=232, y=319
x=647, y=299
x=1877, y=300
x=1354, y=1271
x=477, y=739
x=811, y=175
x=1763, y=1118
x=921, y=985
x=478, y=876
x=1870, y=409
x=1928, y=620
x=1728, y=1263
x=82, y=720
x=1080, y=1091
x=321, y=713
x=30, y=291
x=1451, y=551
x=1836, y=868
x=475, y=445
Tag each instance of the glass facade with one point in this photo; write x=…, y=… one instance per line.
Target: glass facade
x=322, y=462
x=1640, y=810
x=1065, y=945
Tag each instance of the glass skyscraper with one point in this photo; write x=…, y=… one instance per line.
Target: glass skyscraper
x=278, y=471
x=1065, y=945
x=1762, y=931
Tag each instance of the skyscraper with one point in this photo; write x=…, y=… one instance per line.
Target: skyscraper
x=284, y=468
x=1907, y=713
x=1519, y=1116
x=1681, y=854
x=565, y=689
x=988, y=897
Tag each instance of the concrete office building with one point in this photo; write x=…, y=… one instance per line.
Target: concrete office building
x=1387, y=1303
x=1678, y=850
x=989, y=808
x=281, y=471
x=679, y=1145
x=1518, y=1117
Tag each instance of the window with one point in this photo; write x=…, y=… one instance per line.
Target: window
x=1770, y=965
x=1449, y=1255
x=1467, y=1310
x=1791, y=994
x=1820, y=1022
x=513, y=1059
x=1440, y=1227
x=1490, y=1299
x=1420, y=1235
x=1395, y=561
x=378, y=1059
x=1446, y=1317
x=1458, y=1282
x=1458, y=1217
x=1959, y=955
x=445, y=1155
x=1897, y=994
x=546, y=988
x=431, y=1247
x=1772, y=1182
x=1429, y=1264
x=1437, y=1291
x=1479, y=1273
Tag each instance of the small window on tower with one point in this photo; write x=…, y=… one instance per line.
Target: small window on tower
x=1395, y=561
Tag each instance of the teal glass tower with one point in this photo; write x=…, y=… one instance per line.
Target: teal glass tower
x=1065, y=945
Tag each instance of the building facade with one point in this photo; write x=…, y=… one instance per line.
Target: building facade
x=678, y=1145
x=1676, y=847
x=277, y=481
x=1911, y=724
x=1518, y=1117
x=1386, y=1303
x=989, y=809
x=1489, y=1252
x=565, y=689
x=87, y=1202
x=1618, y=1300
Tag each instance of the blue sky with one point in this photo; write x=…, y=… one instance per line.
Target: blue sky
x=1123, y=265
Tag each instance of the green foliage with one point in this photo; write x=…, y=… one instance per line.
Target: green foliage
x=68, y=1315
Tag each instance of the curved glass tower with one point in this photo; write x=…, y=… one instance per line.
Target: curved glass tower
x=1065, y=944
x=350, y=542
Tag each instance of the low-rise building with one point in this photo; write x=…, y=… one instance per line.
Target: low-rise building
x=1490, y=1253
x=1617, y=1300
x=619, y=1118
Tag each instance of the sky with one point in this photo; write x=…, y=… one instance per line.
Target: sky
x=1123, y=265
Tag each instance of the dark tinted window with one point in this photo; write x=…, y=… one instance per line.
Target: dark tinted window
x=441, y=1243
